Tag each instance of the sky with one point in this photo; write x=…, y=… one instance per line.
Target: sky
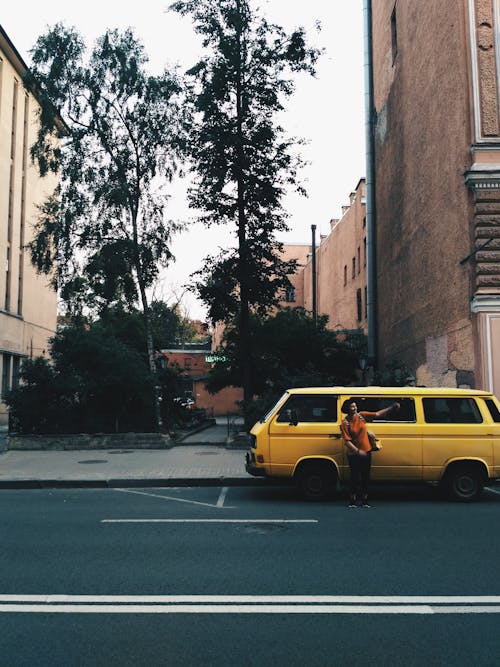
x=328, y=110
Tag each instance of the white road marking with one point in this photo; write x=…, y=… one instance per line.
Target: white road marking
x=248, y=604
x=157, y=495
x=222, y=497
x=488, y=488
x=209, y=521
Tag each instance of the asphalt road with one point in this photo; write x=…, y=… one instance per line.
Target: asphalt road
x=247, y=576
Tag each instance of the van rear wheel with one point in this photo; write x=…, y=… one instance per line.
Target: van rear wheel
x=464, y=483
x=316, y=481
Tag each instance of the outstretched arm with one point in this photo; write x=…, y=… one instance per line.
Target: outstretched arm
x=385, y=411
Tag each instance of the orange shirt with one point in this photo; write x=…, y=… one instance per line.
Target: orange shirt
x=355, y=430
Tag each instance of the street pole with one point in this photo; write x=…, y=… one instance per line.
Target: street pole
x=314, y=304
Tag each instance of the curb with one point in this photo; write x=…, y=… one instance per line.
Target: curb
x=138, y=483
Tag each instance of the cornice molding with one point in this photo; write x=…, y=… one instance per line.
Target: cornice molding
x=483, y=177
x=485, y=303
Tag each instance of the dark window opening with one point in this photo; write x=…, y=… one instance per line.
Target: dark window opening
x=359, y=304
x=406, y=412
x=309, y=408
x=494, y=411
x=451, y=411
x=394, y=34
x=290, y=294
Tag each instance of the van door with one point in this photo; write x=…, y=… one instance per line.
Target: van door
x=453, y=428
x=306, y=425
x=400, y=458
x=494, y=413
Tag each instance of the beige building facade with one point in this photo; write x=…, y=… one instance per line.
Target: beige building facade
x=436, y=73
x=28, y=306
x=341, y=289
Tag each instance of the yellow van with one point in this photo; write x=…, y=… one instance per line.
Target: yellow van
x=440, y=436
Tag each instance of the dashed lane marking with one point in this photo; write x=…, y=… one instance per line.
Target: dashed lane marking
x=209, y=521
x=222, y=497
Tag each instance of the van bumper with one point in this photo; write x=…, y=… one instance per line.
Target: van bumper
x=251, y=468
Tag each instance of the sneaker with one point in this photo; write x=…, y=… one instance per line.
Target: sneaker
x=351, y=505
x=365, y=504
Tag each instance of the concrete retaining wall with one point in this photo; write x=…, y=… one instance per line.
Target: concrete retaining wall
x=90, y=441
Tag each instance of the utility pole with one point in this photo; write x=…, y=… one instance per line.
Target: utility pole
x=314, y=304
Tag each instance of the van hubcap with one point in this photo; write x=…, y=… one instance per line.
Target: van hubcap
x=465, y=485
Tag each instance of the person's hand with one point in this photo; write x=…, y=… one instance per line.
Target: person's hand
x=361, y=452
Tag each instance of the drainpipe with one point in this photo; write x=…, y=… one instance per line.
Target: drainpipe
x=371, y=274
x=314, y=298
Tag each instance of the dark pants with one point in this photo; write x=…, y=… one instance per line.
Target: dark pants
x=360, y=475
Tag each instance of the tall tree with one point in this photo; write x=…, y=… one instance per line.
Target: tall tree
x=104, y=234
x=241, y=156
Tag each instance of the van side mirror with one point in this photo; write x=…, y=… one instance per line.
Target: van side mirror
x=292, y=416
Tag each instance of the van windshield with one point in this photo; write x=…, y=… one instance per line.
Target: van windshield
x=268, y=414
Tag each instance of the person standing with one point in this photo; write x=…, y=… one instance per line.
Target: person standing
x=359, y=448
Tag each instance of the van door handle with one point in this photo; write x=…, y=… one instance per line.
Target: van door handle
x=335, y=435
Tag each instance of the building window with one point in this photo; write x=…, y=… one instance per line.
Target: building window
x=16, y=363
x=394, y=34
x=345, y=275
x=364, y=251
x=290, y=294
x=187, y=363
x=354, y=267
x=359, y=304
x=6, y=373
x=23, y=208
x=359, y=259
x=10, y=219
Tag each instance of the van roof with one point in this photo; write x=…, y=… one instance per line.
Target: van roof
x=393, y=391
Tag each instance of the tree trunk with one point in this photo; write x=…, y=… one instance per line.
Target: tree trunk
x=147, y=326
x=244, y=324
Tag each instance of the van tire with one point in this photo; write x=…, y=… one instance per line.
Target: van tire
x=464, y=482
x=316, y=481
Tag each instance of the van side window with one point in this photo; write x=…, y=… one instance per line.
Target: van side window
x=494, y=411
x=451, y=411
x=309, y=408
x=406, y=412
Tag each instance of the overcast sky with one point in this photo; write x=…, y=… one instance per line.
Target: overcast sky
x=327, y=110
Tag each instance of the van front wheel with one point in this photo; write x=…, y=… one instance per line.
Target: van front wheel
x=316, y=482
x=464, y=483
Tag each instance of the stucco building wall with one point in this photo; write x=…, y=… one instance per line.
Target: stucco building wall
x=435, y=72
x=28, y=306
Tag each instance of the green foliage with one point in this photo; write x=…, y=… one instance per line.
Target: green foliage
x=99, y=379
x=104, y=234
x=290, y=350
x=395, y=374
x=243, y=161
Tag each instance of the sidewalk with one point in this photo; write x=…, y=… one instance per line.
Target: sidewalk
x=202, y=459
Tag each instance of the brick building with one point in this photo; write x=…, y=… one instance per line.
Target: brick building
x=436, y=98
x=194, y=362
x=341, y=268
